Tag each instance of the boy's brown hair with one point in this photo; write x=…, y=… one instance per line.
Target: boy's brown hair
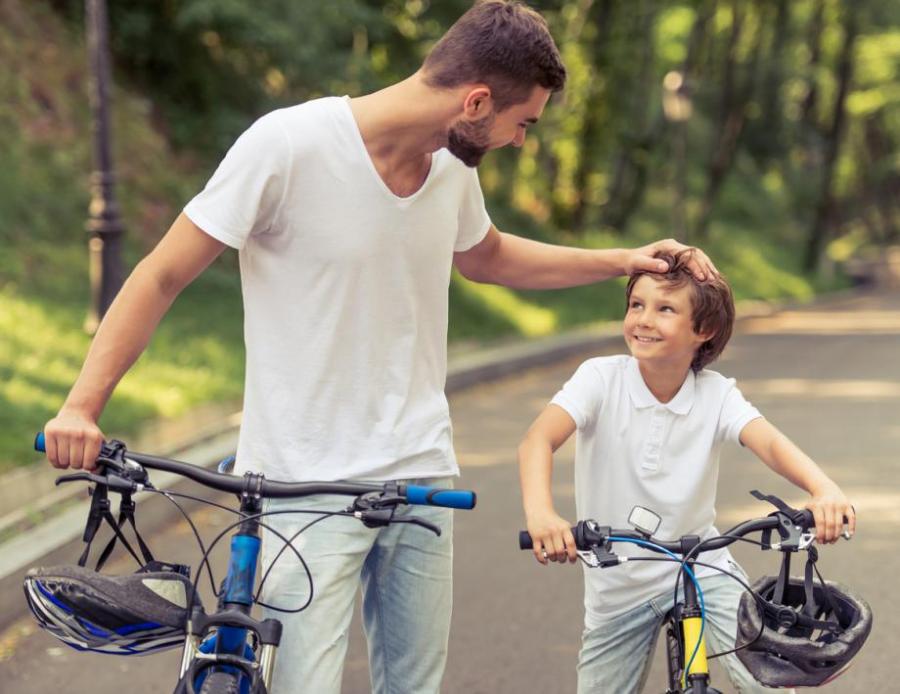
x=712, y=304
x=505, y=45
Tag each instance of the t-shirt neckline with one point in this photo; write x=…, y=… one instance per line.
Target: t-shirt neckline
x=357, y=135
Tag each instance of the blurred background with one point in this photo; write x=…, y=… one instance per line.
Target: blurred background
x=765, y=131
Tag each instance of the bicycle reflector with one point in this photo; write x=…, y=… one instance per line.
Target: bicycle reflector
x=141, y=613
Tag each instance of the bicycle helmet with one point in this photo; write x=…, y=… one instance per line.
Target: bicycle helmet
x=124, y=615
x=807, y=638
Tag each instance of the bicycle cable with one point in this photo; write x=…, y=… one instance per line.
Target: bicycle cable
x=646, y=543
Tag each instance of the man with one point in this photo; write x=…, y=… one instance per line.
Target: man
x=348, y=215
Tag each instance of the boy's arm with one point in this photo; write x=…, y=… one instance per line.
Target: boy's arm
x=73, y=438
x=552, y=534
x=828, y=504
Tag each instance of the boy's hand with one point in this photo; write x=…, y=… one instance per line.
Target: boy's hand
x=829, y=506
x=552, y=537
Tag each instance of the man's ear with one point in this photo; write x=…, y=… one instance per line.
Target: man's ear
x=478, y=103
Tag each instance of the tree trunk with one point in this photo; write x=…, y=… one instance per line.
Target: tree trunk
x=826, y=207
x=733, y=115
x=631, y=171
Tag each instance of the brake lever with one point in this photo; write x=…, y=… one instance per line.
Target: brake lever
x=112, y=482
x=80, y=477
x=420, y=522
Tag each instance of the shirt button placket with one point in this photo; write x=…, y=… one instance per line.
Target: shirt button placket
x=653, y=447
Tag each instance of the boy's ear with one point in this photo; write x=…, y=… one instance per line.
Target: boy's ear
x=706, y=336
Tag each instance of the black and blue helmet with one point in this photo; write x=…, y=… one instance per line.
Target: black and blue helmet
x=140, y=613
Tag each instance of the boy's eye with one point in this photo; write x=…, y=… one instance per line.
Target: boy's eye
x=667, y=308
x=635, y=304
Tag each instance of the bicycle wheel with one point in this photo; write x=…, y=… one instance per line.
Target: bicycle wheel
x=220, y=683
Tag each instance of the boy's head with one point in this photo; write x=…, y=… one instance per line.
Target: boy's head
x=653, y=326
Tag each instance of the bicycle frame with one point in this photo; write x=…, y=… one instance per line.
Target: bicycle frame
x=685, y=640
x=228, y=648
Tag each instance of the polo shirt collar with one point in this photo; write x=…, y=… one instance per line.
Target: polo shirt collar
x=641, y=396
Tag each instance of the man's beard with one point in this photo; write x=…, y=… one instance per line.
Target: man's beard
x=469, y=141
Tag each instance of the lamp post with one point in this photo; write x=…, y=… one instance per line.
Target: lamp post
x=104, y=224
x=677, y=108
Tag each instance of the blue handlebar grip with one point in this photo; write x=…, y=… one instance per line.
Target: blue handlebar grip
x=39, y=443
x=433, y=496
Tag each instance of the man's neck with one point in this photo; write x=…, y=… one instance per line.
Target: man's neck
x=401, y=125
x=664, y=381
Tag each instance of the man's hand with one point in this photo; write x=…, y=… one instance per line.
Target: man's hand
x=830, y=506
x=552, y=537
x=73, y=439
x=641, y=259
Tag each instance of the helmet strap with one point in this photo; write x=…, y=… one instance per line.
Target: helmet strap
x=99, y=512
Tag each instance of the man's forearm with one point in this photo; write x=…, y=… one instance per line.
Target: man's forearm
x=121, y=338
x=525, y=264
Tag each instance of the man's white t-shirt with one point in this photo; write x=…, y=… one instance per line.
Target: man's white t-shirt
x=632, y=450
x=345, y=289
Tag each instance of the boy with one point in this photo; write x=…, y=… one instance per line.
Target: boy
x=650, y=426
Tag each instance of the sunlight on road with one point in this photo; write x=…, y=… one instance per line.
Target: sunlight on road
x=819, y=388
x=826, y=323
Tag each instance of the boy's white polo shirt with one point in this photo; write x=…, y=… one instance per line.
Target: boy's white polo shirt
x=632, y=450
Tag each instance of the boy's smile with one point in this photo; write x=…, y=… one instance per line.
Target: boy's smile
x=659, y=324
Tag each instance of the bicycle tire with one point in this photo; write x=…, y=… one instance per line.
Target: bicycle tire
x=220, y=683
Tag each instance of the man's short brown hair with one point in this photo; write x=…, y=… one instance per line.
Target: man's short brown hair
x=712, y=304
x=505, y=45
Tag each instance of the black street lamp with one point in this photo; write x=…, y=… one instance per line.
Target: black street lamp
x=104, y=224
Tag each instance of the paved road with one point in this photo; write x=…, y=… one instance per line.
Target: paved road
x=829, y=376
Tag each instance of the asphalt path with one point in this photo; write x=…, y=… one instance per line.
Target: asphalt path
x=828, y=375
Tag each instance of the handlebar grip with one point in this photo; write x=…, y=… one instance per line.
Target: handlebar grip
x=525, y=541
x=40, y=444
x=809, y=521
x=434, y=496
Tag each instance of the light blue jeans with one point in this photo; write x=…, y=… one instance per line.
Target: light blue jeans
x=615, y=658
x=405, y=573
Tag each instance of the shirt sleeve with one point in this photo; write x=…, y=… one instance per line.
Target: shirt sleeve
x=582, y=395
x=474, y=220
x=246, y=190
x=735, y=415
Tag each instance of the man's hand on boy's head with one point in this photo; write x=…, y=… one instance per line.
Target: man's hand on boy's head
x=641, y=259
x=830, y=506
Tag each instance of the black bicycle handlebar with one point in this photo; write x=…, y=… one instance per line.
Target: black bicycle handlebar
x=274, y=489
x=589, y=534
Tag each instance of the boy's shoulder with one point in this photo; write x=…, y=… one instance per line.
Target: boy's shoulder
x=605, y=366
x=709, y=381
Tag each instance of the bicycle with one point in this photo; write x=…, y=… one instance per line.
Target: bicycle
x=227, y=651
x=684, y=623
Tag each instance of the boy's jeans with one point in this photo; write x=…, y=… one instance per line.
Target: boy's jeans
x=615, y=658
x=405, y=572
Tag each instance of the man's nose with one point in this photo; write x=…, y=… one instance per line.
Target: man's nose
x=519, y=139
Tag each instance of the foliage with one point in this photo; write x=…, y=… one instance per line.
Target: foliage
x=778, y=154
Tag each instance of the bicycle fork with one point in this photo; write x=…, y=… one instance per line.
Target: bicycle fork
x=687, y=661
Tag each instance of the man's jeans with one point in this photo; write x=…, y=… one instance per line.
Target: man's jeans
x=405, y=572
x=615, y=658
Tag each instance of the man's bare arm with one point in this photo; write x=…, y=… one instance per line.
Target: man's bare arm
x=73, y=437
x=521, y=263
